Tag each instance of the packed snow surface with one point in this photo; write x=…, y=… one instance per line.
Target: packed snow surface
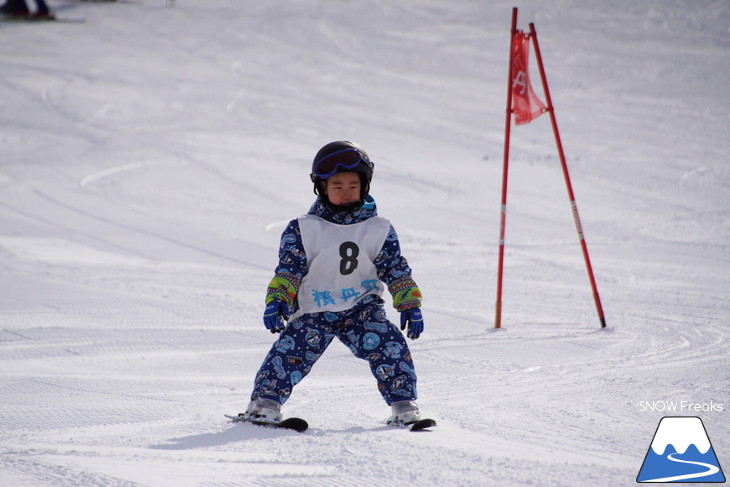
x=152, y=154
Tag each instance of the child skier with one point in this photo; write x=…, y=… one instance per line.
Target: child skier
x=332, y=263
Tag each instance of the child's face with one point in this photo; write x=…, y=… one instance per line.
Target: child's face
x=343, y=188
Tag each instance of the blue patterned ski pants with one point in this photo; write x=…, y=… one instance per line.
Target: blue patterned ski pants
x=364, y=329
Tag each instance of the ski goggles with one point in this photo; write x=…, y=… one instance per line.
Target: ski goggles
x=343, y=159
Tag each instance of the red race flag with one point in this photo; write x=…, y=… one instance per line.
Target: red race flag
x=525, y=103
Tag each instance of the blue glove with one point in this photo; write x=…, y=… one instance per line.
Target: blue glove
x=274, y=316
x=414, y=320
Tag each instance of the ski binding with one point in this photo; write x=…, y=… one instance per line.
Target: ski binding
x=420, y=425
x=296, y=424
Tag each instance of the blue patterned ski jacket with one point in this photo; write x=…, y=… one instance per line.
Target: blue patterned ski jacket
x=392, y=267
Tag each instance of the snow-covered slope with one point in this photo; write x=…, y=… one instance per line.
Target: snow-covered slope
x=152, y=154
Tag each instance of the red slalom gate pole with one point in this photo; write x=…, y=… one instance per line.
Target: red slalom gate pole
x=505, y=165
x=573, y=205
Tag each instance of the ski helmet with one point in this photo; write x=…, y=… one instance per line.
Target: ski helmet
x=341, y=156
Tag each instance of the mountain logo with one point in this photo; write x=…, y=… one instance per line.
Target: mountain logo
x=681, y=452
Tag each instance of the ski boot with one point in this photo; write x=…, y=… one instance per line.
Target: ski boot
x=262, y=409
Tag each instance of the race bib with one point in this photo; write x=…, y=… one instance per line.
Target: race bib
x=340, y=263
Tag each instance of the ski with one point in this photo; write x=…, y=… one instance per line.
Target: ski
x=42, y=20
x=296, y=424
x=420, y=425
x=111, y=1
x=423, y=424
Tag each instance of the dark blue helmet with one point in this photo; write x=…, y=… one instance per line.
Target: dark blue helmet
x=342, y=156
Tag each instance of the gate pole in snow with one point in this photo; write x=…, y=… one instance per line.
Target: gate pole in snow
x=503, y=208
x=573, y=205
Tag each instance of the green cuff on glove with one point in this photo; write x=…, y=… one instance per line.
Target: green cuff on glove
x=283, y=287
x=406, y=294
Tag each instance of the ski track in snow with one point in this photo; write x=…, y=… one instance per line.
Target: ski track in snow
x=153, y=154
